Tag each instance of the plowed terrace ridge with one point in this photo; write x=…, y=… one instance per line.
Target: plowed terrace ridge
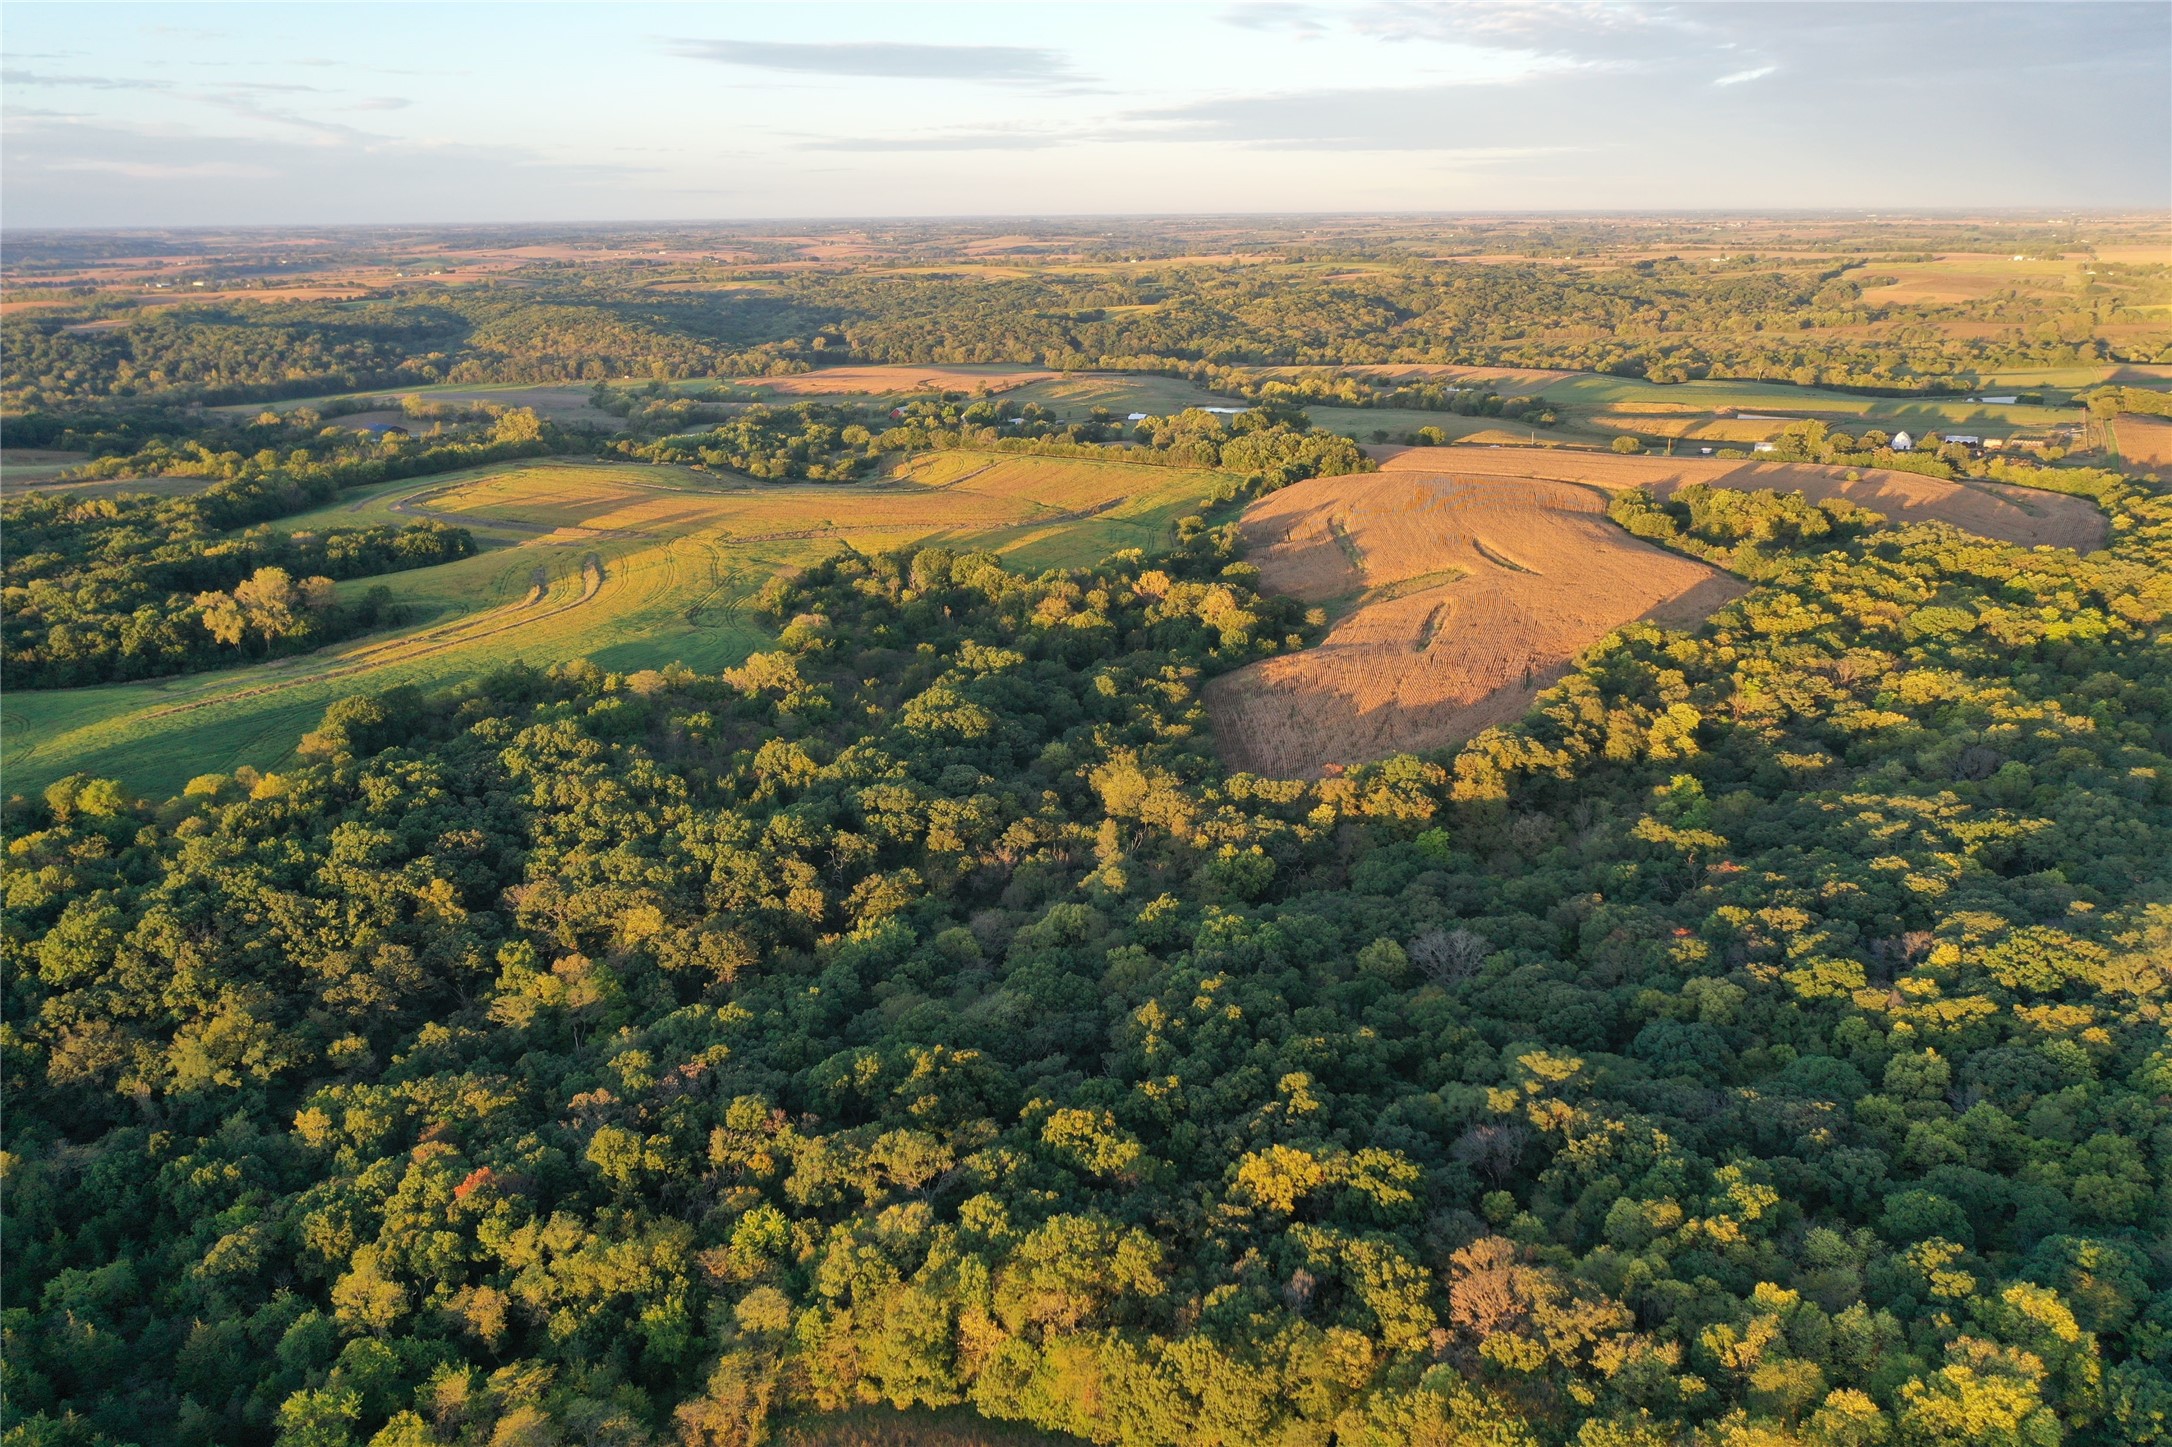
x=1472, y=577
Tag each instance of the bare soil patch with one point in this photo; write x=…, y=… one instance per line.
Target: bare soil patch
x=2008, y=514
x=1466, y=598
x=1468, y=579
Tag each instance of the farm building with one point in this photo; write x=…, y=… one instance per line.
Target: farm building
x=1966, y=439
x=1902, y=442
x=384, y=429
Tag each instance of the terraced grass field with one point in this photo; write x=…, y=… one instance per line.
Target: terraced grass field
x=630, y=566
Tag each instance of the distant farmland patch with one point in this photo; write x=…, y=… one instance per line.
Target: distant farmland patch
x=880, y=381
x=1507, y=381
x=2145, y=443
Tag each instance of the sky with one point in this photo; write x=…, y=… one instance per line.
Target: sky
x=271, y=114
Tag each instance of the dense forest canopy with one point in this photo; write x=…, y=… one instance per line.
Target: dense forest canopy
x=1760, y=1044
x=1665, y=301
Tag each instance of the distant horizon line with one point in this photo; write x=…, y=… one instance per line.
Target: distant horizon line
x=1864, y=213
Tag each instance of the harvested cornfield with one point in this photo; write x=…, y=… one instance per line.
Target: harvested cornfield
x=1466, y=580
x=1989, y=509
x=1461, y=600
x=2145, y=444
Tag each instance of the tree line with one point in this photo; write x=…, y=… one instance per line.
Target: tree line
x=1262, y=448
x=1803, y=319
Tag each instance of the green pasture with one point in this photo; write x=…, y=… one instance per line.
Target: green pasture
x=1123, y=393
x=565, y=401
x=631, y=567
x=1399, y=422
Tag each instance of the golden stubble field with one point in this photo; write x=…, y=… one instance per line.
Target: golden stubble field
x=1465, y=599
x=1462, y=582
x=2145, y=444
x=2009, y=514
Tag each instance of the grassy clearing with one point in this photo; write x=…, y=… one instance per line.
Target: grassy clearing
x=565, y=401
x=1123, y=393
x=22, y=468
x=2030, y=379
x=1598, y=409
x=632, y=567
x=27, y=470
x=1399, y=422
x=1067, y=394
x=1628, y=397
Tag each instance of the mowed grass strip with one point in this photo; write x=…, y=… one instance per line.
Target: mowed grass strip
x=1080, y=509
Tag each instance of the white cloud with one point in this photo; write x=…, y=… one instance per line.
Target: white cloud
x=1741, y=76
x=169, y=171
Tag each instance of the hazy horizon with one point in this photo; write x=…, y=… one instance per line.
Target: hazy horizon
x=284, y=115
